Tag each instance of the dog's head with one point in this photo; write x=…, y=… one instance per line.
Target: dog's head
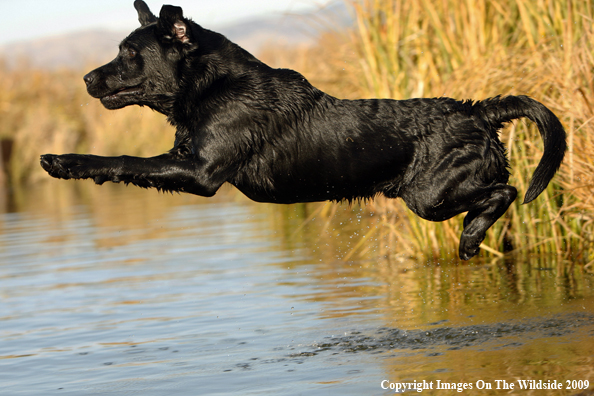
x=145, y=71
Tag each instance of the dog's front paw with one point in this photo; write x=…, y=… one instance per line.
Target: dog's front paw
x=65, y=166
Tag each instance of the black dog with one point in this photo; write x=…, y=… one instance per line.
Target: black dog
x=278, y=139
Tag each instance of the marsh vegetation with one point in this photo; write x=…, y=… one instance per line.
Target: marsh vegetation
x=395, y=50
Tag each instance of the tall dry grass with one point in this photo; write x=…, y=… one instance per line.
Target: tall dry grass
x=481, y=48
x=477, y=49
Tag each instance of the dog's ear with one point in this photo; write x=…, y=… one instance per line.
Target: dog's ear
x=145, y=16
x=173, y=25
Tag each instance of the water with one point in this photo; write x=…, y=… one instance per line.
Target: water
x=114, y=290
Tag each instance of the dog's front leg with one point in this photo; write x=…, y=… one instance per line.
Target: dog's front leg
x=79, y=166
x=164, y=172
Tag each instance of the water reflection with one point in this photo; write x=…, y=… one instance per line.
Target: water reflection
x=114, y=289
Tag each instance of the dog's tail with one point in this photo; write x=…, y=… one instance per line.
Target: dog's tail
x=498, y=110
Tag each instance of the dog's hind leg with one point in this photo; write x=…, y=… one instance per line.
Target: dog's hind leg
x=483, y=215
x=485, y=203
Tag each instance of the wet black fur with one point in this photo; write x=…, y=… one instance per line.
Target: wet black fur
x=278, y=139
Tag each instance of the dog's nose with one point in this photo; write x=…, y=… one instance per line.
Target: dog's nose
x=89, y=78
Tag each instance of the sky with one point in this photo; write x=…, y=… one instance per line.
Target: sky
x=28, y=19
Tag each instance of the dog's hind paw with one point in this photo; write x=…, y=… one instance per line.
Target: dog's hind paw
x=467, y=255
x=469, y=246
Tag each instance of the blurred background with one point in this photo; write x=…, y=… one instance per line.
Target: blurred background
x=352, y=49
x=113, y=287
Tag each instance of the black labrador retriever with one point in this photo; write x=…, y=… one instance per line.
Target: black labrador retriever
x=278, y=139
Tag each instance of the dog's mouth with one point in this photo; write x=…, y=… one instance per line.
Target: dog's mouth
x=121, y=97
x=130, y=91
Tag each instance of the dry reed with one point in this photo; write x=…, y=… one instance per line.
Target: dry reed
x=477, y=49
x=484, y=48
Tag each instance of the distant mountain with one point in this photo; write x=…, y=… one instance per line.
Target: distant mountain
x=254, y=33
x=74, y=50
x=89, y=48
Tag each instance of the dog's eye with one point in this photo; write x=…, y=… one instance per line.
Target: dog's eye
x=131, y=53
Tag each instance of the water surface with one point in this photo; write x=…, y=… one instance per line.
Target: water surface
x=114, y=290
